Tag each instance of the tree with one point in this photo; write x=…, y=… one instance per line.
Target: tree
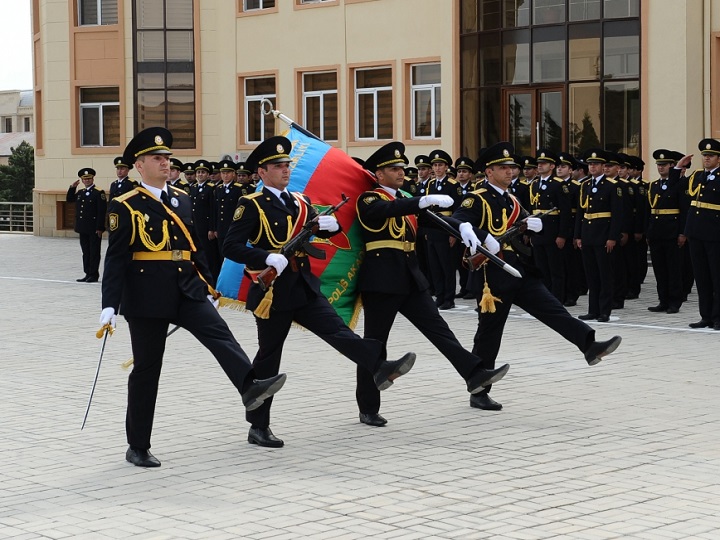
x=588, y=135
x=17, y=178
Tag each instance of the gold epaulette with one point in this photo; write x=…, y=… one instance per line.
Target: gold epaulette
x=252, y=195
x=178, y=191
x=612, y=181
x=451, y=180
x=127, y=195
x=478, y=191
x=556, y=179
x=576, y=182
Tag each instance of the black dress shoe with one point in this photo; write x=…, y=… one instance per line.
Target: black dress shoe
x=570, y=303
x=716, y=326
x=672, y=310
x=461, y=294
x=603, y=318
x=264, y=437
x=389, y=371
x=701, y=324
x=82, y=279
x=485, y=377
x=485, y=402
x=141, y=458
x=92, y=279
x=658, y=308
x=469, y=296
x=588, y=317
x=446, y=305
x=372, y=419
x=598, y=349
x=261, y=389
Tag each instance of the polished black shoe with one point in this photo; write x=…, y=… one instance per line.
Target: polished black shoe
x=716, y=326
x=570, y=303
x=264, y=437
x=588, y=317
x=446, y=305
x=389, y=371
x=701, y=324
x=485, y=377
x=618, y=305
x=485, y=402
x=461, y=294
x=673, y=309
x=658, y=308
x=469, y=296
x=92, y=279
x=603, y=318
x=372, y=419
x=261, y=389
x=598, y=349
x=82, y=279
x=141, y=458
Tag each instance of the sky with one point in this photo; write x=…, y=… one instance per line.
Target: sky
x=16, y=49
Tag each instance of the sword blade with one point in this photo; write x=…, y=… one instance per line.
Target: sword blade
x=97, y=372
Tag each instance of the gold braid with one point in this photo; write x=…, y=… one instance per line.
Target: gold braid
x=584, y=205
x=145, y=238
x=396, y=231
x=265, y=225
x=487, y=211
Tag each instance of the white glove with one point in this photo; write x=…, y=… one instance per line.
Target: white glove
x=469, y=237
x=279, y=262
x=215, y=301
x=107, y=316
x=534, y=224
x=328, y=223
x=492, y=245
x=443, y=201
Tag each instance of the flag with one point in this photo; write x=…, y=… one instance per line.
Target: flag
x=323, y=173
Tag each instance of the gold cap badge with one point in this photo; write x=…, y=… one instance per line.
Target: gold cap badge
x=279, y=148
x=158, y=140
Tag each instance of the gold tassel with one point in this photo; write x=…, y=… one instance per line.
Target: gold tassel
x=487, y=302
x=127, y=363
x=263, y=309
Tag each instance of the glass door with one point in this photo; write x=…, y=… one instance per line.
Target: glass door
x=535, y=118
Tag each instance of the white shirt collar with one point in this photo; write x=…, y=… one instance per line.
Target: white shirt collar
x=499, y=190
x=390, y=190
x=155, y=191
x=277, y=192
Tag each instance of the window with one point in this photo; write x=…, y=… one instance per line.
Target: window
x=303, y=2
x=425, y=94
x=320, y=104
x=26, y=124
x=100, y=116
x=258, y=126
x=252, y=5
x=97, y=12
x=373, y=104
x=165, y=68
x=7, y=124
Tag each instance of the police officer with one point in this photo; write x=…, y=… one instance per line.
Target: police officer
x=90, y=205
x=122, y=184
x=489, y=212
x=174, y=179
x=227, y=194
x=189, y=173
x=424, y=168
x=202, y=195
x=530, y=169
x=702, y=230
x=639, y=238
x=267, y=220
x=244, y=179
x=409, y=183
x=572, y=259
x=519, y=186
x=155, y=276
x=597, y=228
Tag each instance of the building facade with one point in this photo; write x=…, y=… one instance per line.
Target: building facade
x=451, y=74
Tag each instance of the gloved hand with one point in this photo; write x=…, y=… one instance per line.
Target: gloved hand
x=215, y=301
x=328, y=223
x=107, y=316
x=492, y=245
x=534, y=224
x=469, y=237
x=443, y=201
x=277, y=261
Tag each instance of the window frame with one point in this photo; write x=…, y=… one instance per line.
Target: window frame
x=413, y=90
x=242, y=8
x=304, y=95
x=100, y=107
x=78, y=13
x=256, y=98
x=355, y=130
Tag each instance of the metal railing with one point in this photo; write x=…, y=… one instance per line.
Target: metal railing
x=16, y=217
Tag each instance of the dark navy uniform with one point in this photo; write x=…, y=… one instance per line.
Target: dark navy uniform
x=203, y=199
x=120, y=186
x=225, y=201
x=90, y=205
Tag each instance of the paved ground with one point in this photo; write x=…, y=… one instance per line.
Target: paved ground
x=625, y=449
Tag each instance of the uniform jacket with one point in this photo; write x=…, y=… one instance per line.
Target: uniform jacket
x=387, y=218
x=121, y=187
x=442, y=186
x=595, y=231
x=266, y=223
x=554, y=195
x=224, y=205
x=90, y=206
x=141, y=223
x=203, y=199
x=665, y=218
x=703, y=218
x=521, y=189
x=182, y=184
x=640, y=205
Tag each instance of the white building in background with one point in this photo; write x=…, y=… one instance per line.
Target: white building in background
x=17, y=122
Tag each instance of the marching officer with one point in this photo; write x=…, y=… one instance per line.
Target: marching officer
x=122, y=184
x=597, y=229
x=267, y=220
x=155, y=276
x=90, y=205
x=174, y=179
x=390, y=281
x=489, y=212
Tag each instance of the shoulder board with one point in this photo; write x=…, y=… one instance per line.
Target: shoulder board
x=612, y=181
x=211, y=184
x=556, y=179
x=573, y=181
x=126, y=196
x=98, y=189
x=177, y=191
x=252, y=195
x=452, y=181
x=478, y=191
x=525, y=181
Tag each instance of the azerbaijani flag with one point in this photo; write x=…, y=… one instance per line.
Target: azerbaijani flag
x=323, y=173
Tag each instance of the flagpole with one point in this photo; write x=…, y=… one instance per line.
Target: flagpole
x=266, y=107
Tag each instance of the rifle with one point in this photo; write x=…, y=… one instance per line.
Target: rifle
x=299, y=242
x=475, y=261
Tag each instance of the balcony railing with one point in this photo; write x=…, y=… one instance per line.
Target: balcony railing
x=16, y=217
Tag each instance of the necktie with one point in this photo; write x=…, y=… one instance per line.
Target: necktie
x=398, y=195
x=287, y=199
x=508, y=201
x=164, y=198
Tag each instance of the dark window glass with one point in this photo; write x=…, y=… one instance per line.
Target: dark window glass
x=551, y=121
x=516, y=57
x=490, y=14
x=520, y=122
x=470, y=122
x=516, y=13
x=622, y=49
x=621, y=125
x=549, y=54
x=584, y=10
x=489, y=120
x=584, y=52
x=468, y=16
x=621, y=8
x=584, y=117
x=490, y=64
x=469, y=49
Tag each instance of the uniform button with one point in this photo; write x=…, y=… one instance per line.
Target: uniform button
x=142, y=270
x=175, y=237
x=179, y=269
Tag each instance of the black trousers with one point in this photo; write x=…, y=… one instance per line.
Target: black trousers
x=549, y=260
x=148, y=337
x=210, y=249
x=706, y=266
x=418, y=308
x=442, y=268
x=321, y=319
x=622, y=271
x=641, y=252
x=421, y=249
x=600, y=273
x=667, y=259
x=574, y=272
x=688, y=276
x=531, y=295
x=90, y=246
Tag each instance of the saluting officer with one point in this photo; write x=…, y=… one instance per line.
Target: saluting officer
x=267, y=220
x=174, y=179
x=90, y=205
x=489, y=212
x=597, y=228
x=122, y=184
x=702, y=229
